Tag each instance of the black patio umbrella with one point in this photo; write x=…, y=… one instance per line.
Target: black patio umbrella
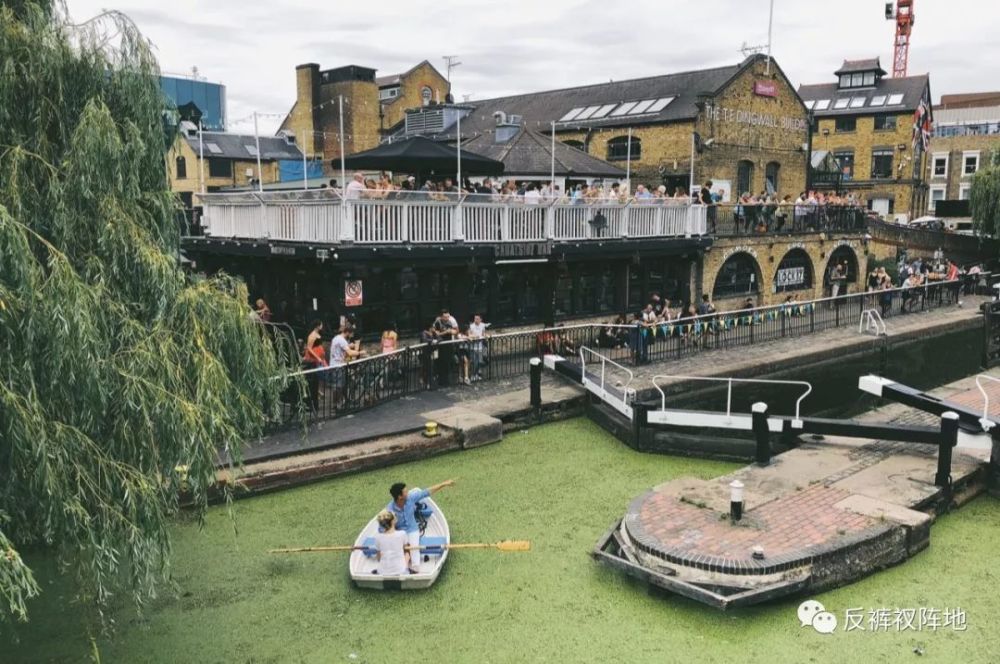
x=421, y=156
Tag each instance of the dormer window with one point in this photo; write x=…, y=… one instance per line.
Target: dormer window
x=860, y=74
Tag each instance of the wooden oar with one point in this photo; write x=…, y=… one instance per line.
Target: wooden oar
x=506, y=545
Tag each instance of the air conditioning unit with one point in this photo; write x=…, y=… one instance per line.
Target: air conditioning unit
x=500, y=117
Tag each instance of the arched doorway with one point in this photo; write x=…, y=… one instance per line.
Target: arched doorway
x=845, y=257
x=739, y=276
x=794, y=273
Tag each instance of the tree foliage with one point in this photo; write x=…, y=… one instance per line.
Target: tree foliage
x=115, y=367
x=984, y=199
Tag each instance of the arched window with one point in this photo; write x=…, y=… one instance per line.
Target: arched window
x=795, y=272
x=576, y=144
x=181, y=168
x=771, y=177
x=618, y=149
x=844, y=256
x=739, y=275
x=744, y=177
x=425, y=95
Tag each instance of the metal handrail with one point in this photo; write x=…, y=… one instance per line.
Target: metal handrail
x=985, y=420
x=797, y=422
x=604, y=362
x=874, y=319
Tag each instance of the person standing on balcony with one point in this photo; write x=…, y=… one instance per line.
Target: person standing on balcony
x=390, y=339
x=355, y=187
x=705, y=198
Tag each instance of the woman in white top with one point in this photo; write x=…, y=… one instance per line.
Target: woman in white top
x=390, y=546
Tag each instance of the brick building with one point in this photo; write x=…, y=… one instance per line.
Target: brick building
x=371, y=105
x=964, y=136
x=230, y=161
x=752, y=125
x=865, y=121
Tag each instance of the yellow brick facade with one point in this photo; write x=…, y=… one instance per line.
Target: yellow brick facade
x=191, y=183
x=741, y=125
x=768, y=252
x=411, y=87
x=954, y=150
x=907, y=187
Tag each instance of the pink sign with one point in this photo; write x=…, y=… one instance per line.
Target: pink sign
x=765, y=88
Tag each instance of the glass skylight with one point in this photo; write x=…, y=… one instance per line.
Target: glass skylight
x=661, y=104
x=642, y=106
x=603, y=110
x=587, y=112
x=858, y=102
x=213, y=148
x=571, y=115
x=878, y=100
x=252, y=149
x=810, y=104
x=842, y=103
x=624, y=108
x=822, y=104
x=895, y=100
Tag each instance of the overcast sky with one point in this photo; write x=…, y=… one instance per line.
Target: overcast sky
x=513, y=46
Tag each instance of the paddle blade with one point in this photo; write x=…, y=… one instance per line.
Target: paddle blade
x=514, y=545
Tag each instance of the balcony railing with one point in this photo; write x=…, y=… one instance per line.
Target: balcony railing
x=421, y=218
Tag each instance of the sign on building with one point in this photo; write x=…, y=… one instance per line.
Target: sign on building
x=790, y=276
x=765, y=88
x=353, y=293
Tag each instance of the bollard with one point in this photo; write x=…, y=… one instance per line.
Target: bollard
x=536, y=383
x=949, y=439
x=736, y=500
x=762, y=434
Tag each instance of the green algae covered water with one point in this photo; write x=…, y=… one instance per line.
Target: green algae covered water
x=559, y=486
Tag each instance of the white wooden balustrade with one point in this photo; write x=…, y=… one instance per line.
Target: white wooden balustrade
x=324, y=217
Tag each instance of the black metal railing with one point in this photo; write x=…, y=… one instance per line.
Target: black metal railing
x=332, y=392
x=784, y=218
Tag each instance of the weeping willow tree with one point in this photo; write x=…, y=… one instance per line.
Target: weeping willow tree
x=116, y=368
x=984, y=199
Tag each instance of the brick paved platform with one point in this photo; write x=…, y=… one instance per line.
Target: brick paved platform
x=823, y=514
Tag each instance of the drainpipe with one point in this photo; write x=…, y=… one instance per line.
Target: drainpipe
x=810, y=119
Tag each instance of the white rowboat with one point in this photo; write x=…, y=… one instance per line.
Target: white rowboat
x=364, y=566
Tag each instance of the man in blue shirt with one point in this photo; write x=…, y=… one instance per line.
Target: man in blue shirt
x=404, y=505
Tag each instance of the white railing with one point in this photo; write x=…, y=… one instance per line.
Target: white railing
x=796, y=423
x=622, y=402
x=323, y=216
x=985, y=420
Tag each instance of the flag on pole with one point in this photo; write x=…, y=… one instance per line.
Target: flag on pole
x=922, y=127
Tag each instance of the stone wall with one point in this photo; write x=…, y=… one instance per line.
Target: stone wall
x=953, y=147
x=411, y=86
x=192, y=183
x=768, y=252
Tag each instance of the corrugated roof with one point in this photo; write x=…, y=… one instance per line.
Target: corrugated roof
x=913, y=89
x=967, y=116
x=530, y=153
x=243, y=147
x=969, y=100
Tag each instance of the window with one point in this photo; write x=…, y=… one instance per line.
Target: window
x=181, y=168
x=869, y=79
x=963, y=192
x=737, y=276
x=220, y=168
x=895, y=100
x=858, y=102
x=744, y=177
x=885, y=123
x=213, y=148
x=970, y=163
x=810, y=104
x=846, y=125
x=618, y=149
x=841, y=103
x=642, y=106
x=388, y=93
x=882, y=163
x=794, y=272
x=845, y=159
x=252, y=149
x=571, y=115
x=425, y=95
x=822, y=104
x=624, y=108
x=937, y=194
x=661, y=104
x=603, y=110
x=878, y=100
x=771, y=177
x=845, y=81
x=587, y=112
x=939, y=166
x=575, y=144
x=857, y=80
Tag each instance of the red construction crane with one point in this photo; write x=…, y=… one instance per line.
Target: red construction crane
x=903, y=15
